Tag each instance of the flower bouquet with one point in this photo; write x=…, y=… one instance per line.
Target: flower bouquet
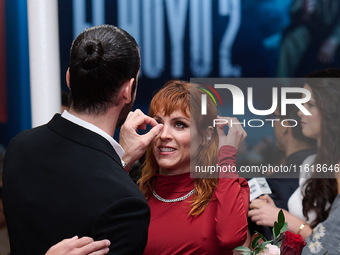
x=284, y=242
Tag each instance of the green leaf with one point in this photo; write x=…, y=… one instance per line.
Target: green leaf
x=255, y=242
x=284, y=228
x=277, y=241
x=278, y=238
x=262, y=236
x=262, y=245
x=243, y=250
x=325, y=253
x=276, y=230
x=279, y=225
x=281, y=218
x=273, y=229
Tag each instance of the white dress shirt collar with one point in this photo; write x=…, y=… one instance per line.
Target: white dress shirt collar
x=116, y=146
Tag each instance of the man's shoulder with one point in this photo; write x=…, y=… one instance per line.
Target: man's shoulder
x=27, y=136
x=39, y=130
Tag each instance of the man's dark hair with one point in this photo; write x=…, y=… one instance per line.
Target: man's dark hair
x=65, y=99
x=102, y=59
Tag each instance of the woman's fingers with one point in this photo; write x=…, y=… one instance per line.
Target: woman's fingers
x=236, y=133
x=80, y=246
x=95, y=247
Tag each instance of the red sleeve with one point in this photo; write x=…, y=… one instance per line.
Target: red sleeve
x=232, y=195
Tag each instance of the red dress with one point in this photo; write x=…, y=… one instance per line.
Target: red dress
x=218, y=230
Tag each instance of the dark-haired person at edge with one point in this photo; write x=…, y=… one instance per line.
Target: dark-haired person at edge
x=65, y=179
x=190, y=214
x=314, y=207
x=296, y=148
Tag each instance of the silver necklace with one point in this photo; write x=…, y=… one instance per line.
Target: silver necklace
x=172, y=200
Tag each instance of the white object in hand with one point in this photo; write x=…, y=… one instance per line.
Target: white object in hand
x=258, y=186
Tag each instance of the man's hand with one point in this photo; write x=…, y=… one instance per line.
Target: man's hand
x=235, y=136
x=82, y=246
x=133, y=143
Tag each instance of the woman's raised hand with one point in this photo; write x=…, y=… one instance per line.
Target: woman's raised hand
x=236, y=133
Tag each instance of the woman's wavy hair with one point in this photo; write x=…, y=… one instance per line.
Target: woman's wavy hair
x=182, y=96
x=321, y=191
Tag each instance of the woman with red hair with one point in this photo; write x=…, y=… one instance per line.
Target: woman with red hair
x=192, y=215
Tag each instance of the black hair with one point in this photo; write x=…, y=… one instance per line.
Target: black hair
x=319, y=192
x=102, y=59
x=65, y=99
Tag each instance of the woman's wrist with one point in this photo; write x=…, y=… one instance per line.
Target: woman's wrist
x=297, y=226
x=305, y=230
x=302, y=226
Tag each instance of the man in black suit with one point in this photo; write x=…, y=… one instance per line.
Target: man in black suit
x=66, y=178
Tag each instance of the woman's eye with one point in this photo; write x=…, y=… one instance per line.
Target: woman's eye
x=158, y=121
x=310, y=104
x=180, y=125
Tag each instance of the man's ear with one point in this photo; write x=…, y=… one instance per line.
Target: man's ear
x=125, y=91
x=68, y=78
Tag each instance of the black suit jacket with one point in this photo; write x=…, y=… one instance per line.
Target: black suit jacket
x=62, y=180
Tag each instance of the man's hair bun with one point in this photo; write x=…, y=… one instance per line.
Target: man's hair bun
x=92, y=52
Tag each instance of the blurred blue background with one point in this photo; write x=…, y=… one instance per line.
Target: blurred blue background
x=178, y=39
